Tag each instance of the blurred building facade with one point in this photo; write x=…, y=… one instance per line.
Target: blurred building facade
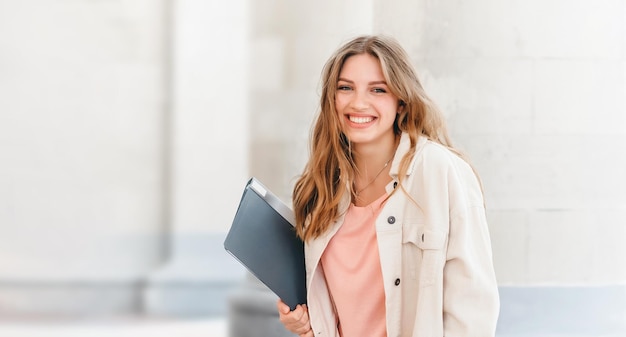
x=128, y=129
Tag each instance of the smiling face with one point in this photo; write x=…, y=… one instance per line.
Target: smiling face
x=366, y=108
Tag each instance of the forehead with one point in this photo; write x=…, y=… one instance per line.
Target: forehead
x=362, y=66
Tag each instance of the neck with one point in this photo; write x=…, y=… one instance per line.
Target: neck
x=370, y=158
x=372, y=166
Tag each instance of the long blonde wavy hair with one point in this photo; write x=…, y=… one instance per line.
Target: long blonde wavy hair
x=329, y=173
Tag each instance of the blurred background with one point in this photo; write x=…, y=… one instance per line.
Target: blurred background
x=128, y=129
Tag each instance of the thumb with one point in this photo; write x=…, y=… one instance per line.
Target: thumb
x=282, y=307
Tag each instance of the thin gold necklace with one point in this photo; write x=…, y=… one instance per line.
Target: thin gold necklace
x=356, y=193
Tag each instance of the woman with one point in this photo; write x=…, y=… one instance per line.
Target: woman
x=393, y=218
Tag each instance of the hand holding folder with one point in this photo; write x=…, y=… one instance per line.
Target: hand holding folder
x=263, y=238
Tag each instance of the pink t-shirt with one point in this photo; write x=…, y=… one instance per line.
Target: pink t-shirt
x=352, y=267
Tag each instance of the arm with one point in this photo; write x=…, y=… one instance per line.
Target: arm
x=451, y=197
x=470, y=299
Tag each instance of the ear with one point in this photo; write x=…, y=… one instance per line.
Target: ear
x=401, y=106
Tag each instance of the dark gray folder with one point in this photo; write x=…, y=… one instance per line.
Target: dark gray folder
x=263, y=238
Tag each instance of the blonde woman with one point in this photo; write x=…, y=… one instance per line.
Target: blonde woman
x=393, y=218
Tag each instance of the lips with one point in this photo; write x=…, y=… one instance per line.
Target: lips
x=360, y=119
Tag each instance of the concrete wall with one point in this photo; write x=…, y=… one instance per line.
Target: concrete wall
x=534, y=91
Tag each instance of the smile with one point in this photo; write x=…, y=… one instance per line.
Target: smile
x=360, y=120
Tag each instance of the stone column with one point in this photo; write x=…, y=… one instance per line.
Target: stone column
x=82, y=99
x=208, y=156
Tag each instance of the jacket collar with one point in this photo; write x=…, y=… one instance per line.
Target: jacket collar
x=403, y=147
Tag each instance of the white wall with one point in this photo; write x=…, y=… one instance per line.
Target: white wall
x=81, y=154
x=535, y=93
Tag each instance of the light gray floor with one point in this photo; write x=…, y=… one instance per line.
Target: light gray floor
x=138, y=328
x=156, y=328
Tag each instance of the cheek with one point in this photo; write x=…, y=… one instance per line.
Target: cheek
x=393, y=106
x=339, y=104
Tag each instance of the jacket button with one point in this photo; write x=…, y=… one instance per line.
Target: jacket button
x=391, y=220
x=397, y=282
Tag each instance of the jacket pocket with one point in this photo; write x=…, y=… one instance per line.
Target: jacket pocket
x=427, y=256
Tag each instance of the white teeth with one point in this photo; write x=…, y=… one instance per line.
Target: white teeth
x=361, y=120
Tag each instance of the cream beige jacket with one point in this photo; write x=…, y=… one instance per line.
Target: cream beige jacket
x=436, y=257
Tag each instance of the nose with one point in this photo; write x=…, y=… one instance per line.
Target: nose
x=359, y=101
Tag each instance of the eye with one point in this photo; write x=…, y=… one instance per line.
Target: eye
x=343, y=88
x=379, y=90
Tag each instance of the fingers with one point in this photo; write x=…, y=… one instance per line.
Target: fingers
x=296, y=321
x=307, y=334
x=282, y=307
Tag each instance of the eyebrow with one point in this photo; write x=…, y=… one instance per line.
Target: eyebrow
x=370, y=83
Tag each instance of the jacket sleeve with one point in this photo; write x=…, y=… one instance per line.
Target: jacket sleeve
x=470, y=292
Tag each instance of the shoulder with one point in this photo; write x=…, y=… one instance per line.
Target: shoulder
x=441, y=166
x=426, y=154
x=438, y=156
